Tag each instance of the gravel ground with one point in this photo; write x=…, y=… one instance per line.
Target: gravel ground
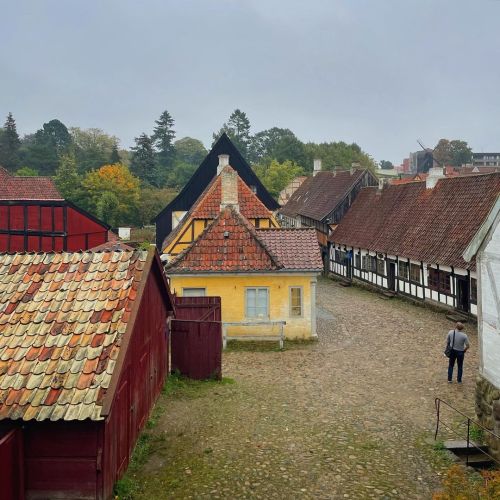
x=348, y=416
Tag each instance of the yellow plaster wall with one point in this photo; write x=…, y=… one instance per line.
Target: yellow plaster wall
x=231, y=289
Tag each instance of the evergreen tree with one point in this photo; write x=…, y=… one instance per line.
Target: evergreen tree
x=67, y=179
x=163, y=139
x=238, y=130
x=9, y=144
x=143, y=164
x=115, y=155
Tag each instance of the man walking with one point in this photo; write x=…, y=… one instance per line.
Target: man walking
x=459, y=343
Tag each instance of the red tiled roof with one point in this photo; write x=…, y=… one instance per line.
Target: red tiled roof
x=112, y=245
x=318, y=196
x=27, y=188
x=231, y=244
x=62, y=320
x=430, y=225
x=208, y=205
x=294, y=248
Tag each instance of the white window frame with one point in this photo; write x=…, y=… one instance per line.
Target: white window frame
x=204, y=294
x=290, y=312
x=256, y=288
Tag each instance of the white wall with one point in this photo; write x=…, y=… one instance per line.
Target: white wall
x=489, y=289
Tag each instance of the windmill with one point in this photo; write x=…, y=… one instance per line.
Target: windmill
x=430, y=160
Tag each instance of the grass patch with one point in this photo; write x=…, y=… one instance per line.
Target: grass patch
x=267, y=345
x=148, y=442
x=476, y=434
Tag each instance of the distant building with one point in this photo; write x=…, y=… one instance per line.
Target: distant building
x=421, y=161
x=486, y=159
x=286, y=193
x=322, y=200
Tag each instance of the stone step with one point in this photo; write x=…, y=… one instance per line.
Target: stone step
x=344, y=283
x=456, y=316
x=459, y=446
x=477, y=460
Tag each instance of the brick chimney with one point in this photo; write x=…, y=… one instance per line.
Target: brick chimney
x=316, y=166
x=223, y=162
x=229, y=188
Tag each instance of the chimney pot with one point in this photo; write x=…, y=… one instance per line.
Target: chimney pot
x=435, y=173
x=316, y=166
x=223, y=162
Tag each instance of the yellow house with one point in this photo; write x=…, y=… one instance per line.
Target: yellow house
x=263, y=276
x=207, y=208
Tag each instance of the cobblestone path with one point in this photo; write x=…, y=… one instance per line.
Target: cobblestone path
x=346, y=417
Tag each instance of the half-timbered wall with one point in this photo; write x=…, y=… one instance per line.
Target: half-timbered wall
x=409, y=277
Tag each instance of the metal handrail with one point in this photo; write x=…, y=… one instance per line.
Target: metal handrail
x=470, y=444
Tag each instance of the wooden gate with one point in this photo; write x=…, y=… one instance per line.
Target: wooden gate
x=11, y=464
x=196, y=337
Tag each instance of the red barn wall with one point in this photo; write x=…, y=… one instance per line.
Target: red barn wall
x=142, y=378
x=46, y=227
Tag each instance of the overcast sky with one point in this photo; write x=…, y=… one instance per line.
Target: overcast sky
x=381, y=73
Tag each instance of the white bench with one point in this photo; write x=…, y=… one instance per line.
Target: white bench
x=254, y=337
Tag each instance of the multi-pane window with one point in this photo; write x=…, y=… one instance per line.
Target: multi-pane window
x=373, y=264
x=403, y=270
x=343, y=256
x=364, y=263
x=194, y=292
x=415, y=273
x=357, y=261
x=337, y=255
x=473, y=290
x=380, y=267
x=257, y=303
x=296, y=301
x=439, y=280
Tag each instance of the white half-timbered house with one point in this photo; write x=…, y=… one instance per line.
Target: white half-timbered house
x=410, y=239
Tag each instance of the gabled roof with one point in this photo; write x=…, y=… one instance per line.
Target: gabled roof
x=230, y=244
x=27, y=188
x=430, y=225
x=319, y=195
x=64, y=320
x=208, y=170
x=207, y=206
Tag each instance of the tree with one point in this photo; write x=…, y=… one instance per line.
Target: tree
x=337, y=155
x=163, y=140
x=190, y=151
x=180, y=174
x=386, y=165
x=68, y=181
x=93, y=148
x=276, y=176
x=108, y=208
x=118, y=180
x=9, y=144
x=26, y=172
x=143, y=163
x=115, y=155
x=278, y=143
x=238, y=130
x=152, y=201
x=454, y=152
x=56, y=133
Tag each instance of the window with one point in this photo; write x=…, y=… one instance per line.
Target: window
x=473, y=290
x=194, y=292
x=295, y=301
x=337, y=255
x=373, y=264
x=257, y=303
x=415, y=273
x=343, y=257
x=357, y=261
x=364, y=263
x=439, y=281
x=381, y=267
x=403, y=270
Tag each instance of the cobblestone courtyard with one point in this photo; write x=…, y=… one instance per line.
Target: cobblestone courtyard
x=346, y=417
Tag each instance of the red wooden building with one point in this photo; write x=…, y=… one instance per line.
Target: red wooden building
x=83, y=356
x=34, y=217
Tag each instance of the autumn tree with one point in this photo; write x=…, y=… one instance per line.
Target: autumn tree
x=116, y=180
x=143, y=163
x=276, y=176
x=9, y=144
x=238, y=130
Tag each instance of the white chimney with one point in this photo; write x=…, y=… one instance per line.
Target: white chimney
x=316, y=166
x=354, y=166
x=223, y=162
x=229, y=189
x=435, y=173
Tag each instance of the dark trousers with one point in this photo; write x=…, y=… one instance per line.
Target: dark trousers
x=459, y=357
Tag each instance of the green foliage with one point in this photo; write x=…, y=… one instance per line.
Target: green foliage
x=143, y=164
x=9, y=145
x=337, y=155
x=386, y=165
x=455, y=152
x=190, y=151
x=180, y=174
x=276, y=176
x=26, y=172
x=108, y=208
x=163, y=140
x=67, y=179
x=238, y=130
x=115, y=155
x=152, y=201
x=93, y=148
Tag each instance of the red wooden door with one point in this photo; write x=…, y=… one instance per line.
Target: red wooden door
x=11, y=465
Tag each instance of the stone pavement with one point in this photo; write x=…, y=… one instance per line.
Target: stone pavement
x=346, y=417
